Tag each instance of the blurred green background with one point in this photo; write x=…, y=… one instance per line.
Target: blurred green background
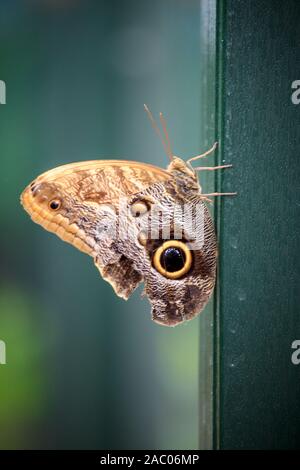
x=84, y=368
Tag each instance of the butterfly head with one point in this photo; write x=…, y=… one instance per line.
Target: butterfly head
x=178, y=167
x=185, y=176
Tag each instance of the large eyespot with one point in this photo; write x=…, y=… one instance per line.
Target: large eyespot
x=55, y=204
x=139, y=207
x=173, y=259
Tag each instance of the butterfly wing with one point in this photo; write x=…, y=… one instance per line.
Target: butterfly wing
x=82, y=189
x=89, y=194
x=102, y=180
x=89, y=204
x=173, y=300
x=177, y=300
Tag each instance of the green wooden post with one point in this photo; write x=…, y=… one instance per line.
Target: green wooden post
x=258, y=309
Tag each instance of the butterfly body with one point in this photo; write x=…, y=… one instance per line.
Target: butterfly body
x=139, y=223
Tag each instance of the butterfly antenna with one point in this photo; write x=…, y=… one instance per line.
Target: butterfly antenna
x=164, y=126
x=156, y=128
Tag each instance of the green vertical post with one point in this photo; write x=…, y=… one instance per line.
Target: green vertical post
x=259, y=274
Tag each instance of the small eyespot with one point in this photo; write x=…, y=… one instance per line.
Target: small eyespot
x=55, y=204
x=173, y=259
x=139, y=208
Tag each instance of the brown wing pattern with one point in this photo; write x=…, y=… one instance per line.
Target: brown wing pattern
x=82, y=188
x=74, y=201
x=104, y=181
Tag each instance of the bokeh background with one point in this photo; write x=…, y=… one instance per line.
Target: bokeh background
x=84, y=368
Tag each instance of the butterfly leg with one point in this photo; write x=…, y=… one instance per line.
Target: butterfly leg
x=206, y=199
x=211, y=150
x=211, y=168
x=218, y=194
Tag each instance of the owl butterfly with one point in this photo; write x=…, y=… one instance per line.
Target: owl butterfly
x=140, y=223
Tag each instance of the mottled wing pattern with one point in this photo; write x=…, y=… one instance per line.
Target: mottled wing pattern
x=175, y=301
x=87, y=197
x=121, y=275
x=103, y=181
x=85, y=189
x=172, y=301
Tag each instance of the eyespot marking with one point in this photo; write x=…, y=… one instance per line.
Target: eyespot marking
x=55, y=204
x=139, y=207
x=173, y=259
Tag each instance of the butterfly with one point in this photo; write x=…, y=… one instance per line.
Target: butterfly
x=139, y=223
